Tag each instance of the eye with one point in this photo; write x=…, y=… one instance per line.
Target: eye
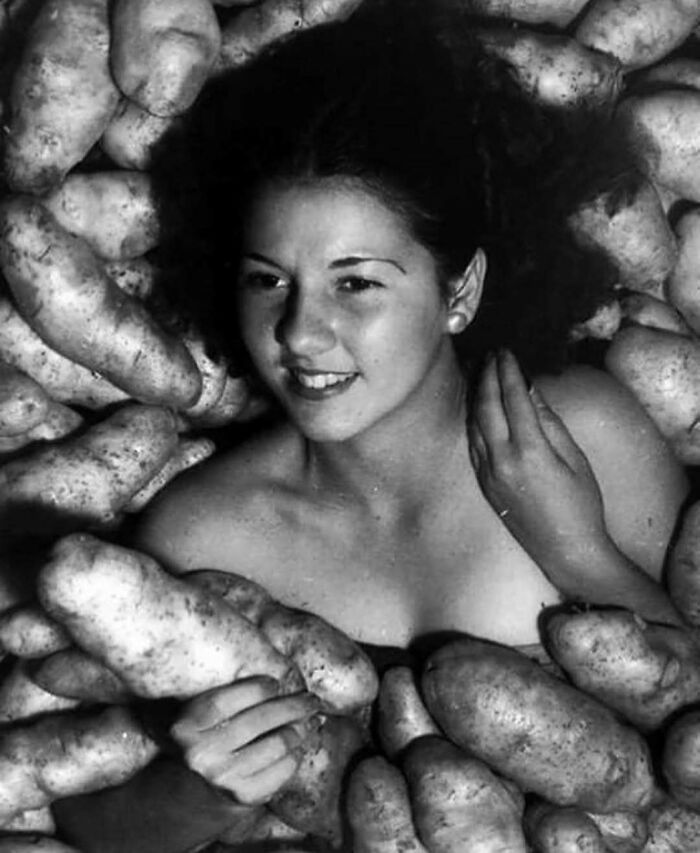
x=358, y=284
x=261, y=281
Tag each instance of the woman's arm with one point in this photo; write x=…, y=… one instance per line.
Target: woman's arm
x=578, y=519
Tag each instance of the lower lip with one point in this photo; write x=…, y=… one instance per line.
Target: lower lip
x=307, y=393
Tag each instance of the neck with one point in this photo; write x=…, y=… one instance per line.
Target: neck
x=405, y=456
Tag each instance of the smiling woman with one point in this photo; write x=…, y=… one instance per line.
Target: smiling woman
x=358, y=219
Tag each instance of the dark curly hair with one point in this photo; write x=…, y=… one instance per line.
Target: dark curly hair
x=406, y=102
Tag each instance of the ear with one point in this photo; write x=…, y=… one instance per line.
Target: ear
x=465, y=294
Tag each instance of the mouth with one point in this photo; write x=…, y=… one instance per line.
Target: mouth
x=318, y=385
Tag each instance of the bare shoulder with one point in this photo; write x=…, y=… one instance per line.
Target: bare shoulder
x=215, y=514
x=642, y=483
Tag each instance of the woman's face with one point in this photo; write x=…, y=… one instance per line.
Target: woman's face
x=340, y=308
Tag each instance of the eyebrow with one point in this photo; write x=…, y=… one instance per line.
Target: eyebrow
x=340, y=263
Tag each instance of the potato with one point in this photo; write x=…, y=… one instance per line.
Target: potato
x=76, y=675
x=333, y=666
x=62, y=290
x=21, y=698
x=23, y=402
x=562, y=829
x=214, y=376
x=62, y=95
x=113, y=212
x=69, y=753
x=312, y=802
x=34, y=820
x=555, y=70
x=672, y=829
x=646, y=310
x=680, y=72
x=644, y=671
x=558, y=13
x=379, y=809
x=129, y=138
x=602, y=325
x=535, y=729
x=87, y=479
x=634, y=233
x=189, y=452
x=622, y=832
x=28, y=632
x=162, y=635
x=683, y=567
x=637, y=33
x=683, y=285
x=662, y=369
x=681, y=759
x=163, y=51
x=664, y=132
x=61, y=378
x=401, y=715
x=253, y=29
x=59, y=422
x=234, y=404
x=458, y=803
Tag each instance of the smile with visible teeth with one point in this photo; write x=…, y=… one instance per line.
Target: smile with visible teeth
x=320, y=380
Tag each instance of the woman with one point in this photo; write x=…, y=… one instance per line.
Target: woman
x=358, y=237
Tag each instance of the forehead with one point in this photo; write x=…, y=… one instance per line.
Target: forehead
x=327, y=216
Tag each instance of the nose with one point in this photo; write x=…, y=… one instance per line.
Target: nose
x=306, y=327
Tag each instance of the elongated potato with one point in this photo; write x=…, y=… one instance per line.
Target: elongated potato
x=21, y=698
x=680, y=72
x=59, y=422
x=664, y=132
x=683, y=285
x=379, y=809
x=644, y=671
x=253, y=29
x=333, y=666
x=114, y=212
x=129, y=138
x=634, y=233
x=458, y=803
x=61, y=378
x=62, y=95
x=162, y=635
x=66, y=754
x=189, y=452
x=77, y=675
x=558, y=13
x=683, y=567
x=681, y=759
x=28, y=632
x=622, y=832
x=163, y=51
x=638, y=34
x=562, y=829
x=89, y=478
x=23, y=402
x=533, y=728
x=662, y=369
x=62, y=290
x=401, y=715
x=556, y=70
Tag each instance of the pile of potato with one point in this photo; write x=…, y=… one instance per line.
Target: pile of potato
x=482, y=749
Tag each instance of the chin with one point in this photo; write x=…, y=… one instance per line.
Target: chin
x=326, y=432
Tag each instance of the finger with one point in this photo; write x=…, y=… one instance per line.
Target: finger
x=211, y=760
x=557, y=434
x=488, y=408
x=478, y=451
x=519, y=408
x=259, y=787
x=213, y=707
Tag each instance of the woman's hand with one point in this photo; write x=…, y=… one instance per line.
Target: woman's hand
x=530, y=468
x=243, y=737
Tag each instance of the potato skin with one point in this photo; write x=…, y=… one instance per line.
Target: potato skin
x=681, y=759
x=69, y=753
x=562, y=829
x=401, y=715
x=27, y=632
x=531, y=727
x=62, y=95
x=162, y=635
x=63, y=291
x=683, y=569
